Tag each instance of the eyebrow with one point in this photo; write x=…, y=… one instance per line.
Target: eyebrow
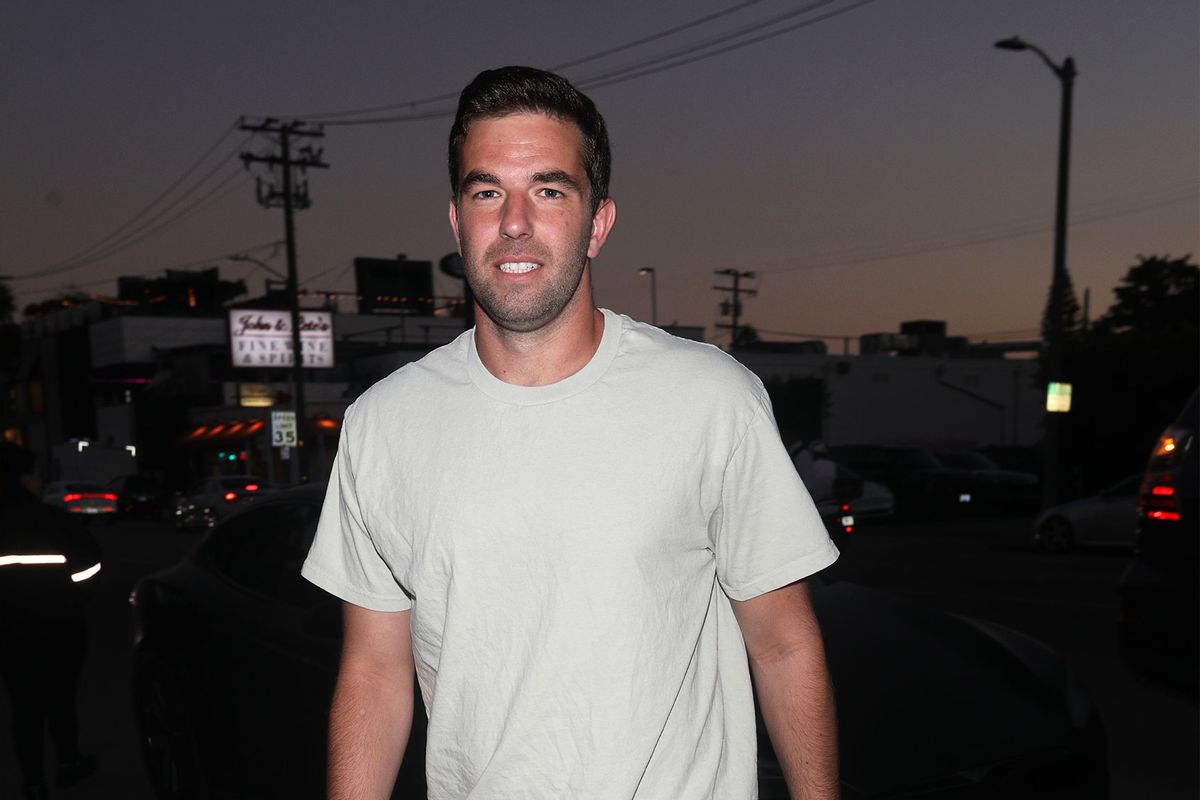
x=475, y=177
x=556, y=176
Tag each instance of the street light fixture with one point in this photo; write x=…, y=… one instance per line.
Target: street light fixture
x=653, y=293
x=1065, y=72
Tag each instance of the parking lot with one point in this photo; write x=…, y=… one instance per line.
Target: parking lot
x=984, y=568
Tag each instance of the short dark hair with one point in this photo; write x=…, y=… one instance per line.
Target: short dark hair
x=513, y=90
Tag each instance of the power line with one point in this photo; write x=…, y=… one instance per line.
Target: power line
x=654, y=37
x=683, y=57
x=106, y=240
x=188, y=265
x=971, y=241
x=142, y=233
x=555, y=68
x=644, y=68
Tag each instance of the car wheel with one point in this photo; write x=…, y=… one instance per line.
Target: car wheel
x=169, y=749
x=1055, y=535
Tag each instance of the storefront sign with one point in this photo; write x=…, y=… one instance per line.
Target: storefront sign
x=264, y=338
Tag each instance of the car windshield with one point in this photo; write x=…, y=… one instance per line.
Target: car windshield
x=966, y=459
x=915, y=457
x=79, y=488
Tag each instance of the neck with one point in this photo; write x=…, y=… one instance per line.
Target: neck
x=538, y=358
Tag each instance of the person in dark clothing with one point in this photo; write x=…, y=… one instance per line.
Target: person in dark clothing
x=47, y=566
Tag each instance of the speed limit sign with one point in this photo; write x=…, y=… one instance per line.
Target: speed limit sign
x=283, y=428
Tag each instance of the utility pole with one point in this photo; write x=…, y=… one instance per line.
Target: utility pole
x=289, y=196
x=733, y=307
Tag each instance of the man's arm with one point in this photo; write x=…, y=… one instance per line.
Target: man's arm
x=787, y=659
x=371, y=716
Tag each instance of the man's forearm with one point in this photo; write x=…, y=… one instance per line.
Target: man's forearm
x=796, y=699
x=369, y=725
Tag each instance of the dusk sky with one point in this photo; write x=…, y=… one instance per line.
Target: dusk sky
x=880, y=162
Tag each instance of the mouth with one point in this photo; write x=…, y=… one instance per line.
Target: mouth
x=517, y=267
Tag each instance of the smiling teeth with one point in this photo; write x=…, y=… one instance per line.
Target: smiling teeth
x=518, y=266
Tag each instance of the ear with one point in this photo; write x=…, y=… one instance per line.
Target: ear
x=454, y=224
x=602, y=222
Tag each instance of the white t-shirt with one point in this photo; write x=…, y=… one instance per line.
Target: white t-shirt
x=568, y=553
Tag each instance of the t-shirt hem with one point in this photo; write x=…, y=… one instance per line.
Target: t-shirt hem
x=790, y=572
x=350, y=594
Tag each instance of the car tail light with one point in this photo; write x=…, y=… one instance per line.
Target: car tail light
x=251, y=487
x=847, y=519
x=1158, y=500
x=71, y=498
x=231, y=496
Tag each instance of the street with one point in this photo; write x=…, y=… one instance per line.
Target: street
x=984, y=568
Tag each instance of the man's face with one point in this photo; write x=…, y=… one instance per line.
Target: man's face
x=523, y=219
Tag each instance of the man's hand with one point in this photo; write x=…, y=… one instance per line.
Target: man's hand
x=371, y=716
x=787, y=659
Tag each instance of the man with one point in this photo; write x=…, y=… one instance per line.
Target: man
x=567, y=521
x=46, y=562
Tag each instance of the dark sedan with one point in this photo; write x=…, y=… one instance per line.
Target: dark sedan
x=920, y=483
x=236, y=655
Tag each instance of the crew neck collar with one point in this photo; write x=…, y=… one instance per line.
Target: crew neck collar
x=588, y=374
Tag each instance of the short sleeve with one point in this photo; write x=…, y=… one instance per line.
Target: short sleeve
x=768, y=531
x=344, y=559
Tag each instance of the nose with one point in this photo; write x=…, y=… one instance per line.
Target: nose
x=515, y=222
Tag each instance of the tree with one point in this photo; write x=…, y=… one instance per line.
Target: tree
x=7, y=304
x=1157, y=294
x=10, y=349
x=1061, y=300
x=1132, y=371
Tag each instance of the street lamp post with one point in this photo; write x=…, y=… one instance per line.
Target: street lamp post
x=653, y=293
x=1065, y=72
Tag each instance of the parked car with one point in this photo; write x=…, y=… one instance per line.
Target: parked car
x=81, y=497
x=1159, y=595
x=212, y=499
x=235, y=658
x=832, y=487
x=993, y=487
x=139, y=496
x=875, y=502
x=1108, y=518
x=841, y=495
x=918, y=481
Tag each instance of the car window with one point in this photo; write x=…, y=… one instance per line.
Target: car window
x=916, y=458
x=78, y=488
x=264, y=548
x=1129, y=486
x=962, y=459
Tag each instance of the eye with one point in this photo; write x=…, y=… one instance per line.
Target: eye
x=553, y=194
x=485, y=194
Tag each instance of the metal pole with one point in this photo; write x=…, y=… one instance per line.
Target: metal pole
x=653, y=292
x=653, y=298
x=293, y=283
x=1051, y=481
